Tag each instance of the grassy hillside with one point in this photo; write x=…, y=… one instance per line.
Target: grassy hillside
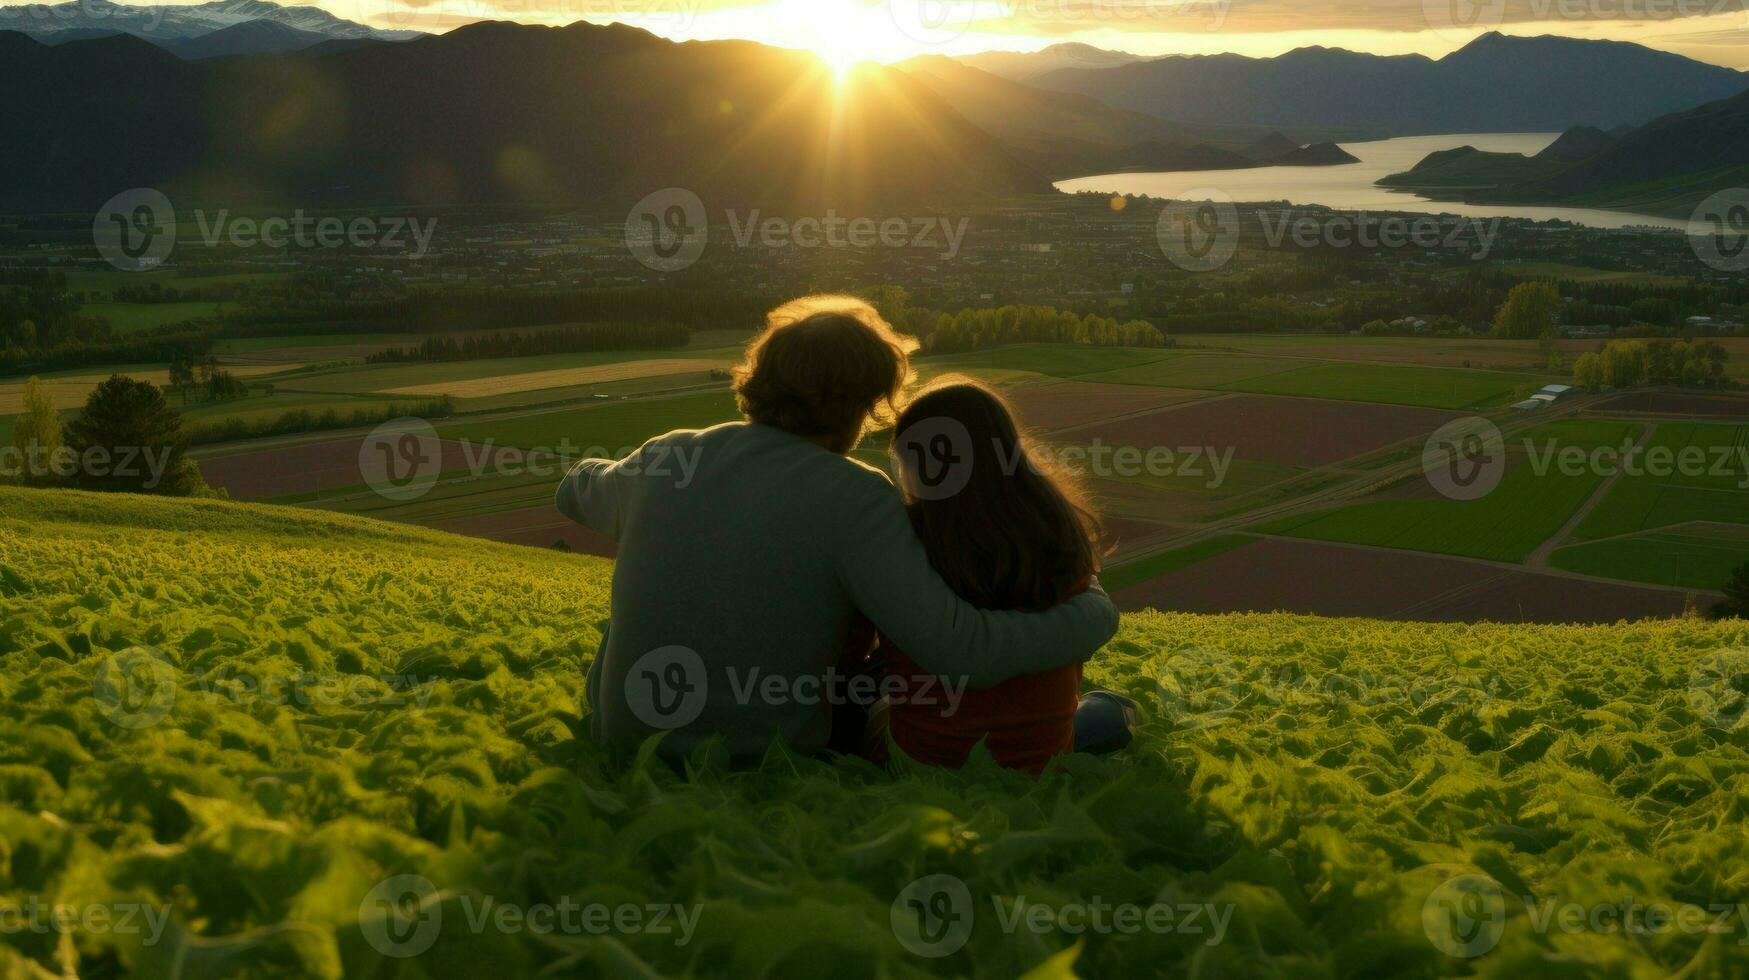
x=1315, y=783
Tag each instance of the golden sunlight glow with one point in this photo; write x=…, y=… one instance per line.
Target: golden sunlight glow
x=836, y=30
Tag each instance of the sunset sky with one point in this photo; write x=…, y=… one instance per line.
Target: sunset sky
x=847, y=30
x=1707, y=30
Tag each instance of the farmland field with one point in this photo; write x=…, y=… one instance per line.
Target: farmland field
x=1505, y=525
x=1699, y=556
x=1714, y=488
x=1315, y=785
x=1396, y=385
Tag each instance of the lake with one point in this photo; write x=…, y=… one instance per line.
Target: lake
x=1351, y=187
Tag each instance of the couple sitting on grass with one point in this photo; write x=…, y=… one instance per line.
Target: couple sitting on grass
x=771, y=586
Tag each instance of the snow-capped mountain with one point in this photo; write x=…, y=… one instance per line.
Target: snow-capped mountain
x=164, y=22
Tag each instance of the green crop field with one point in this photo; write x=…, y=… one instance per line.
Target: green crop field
x=132, y=317
x=1695, y=557
x=383, y=377
x=1154, y=566
x=1395, y=384
x=1343, y=797
x=611, y=425
x=1716, y=488
x=1195, y=370
x=1507, y=524
x=1056, y=360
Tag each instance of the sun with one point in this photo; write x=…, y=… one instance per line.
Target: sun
x=838, y=31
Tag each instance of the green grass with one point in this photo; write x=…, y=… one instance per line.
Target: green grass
x=612, y=426
x=1395, y=384
x=381, y=377
x=134, y=317
x=1693, y=558
x=1716, y=490
x=1056, y=360
x=1195, y=370
x=1154, y=566
x=1523, y=511
x=1316, y=782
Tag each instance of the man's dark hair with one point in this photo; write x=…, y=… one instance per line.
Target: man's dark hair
x=824, y=366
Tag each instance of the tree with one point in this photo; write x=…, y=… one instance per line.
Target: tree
x=128, y=438
x=1588, y=370
x=1624, y=364
x=1529, y=311
x=1736, y=604
x=36, y=433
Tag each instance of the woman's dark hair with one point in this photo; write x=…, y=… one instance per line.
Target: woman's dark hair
x=1001, y=525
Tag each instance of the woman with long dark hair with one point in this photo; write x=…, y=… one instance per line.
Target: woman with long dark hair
x=1006, y=530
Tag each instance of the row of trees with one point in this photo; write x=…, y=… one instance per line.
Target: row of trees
x=977, y=329
x=1622, y=363
x=560, y=340
x=127, y=438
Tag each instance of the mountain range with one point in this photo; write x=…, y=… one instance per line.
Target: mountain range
x=1070, y=135
x=1666, y=167
x=172, y=25
x=1020, y=66
x=1496, y=83
x=492, y=112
